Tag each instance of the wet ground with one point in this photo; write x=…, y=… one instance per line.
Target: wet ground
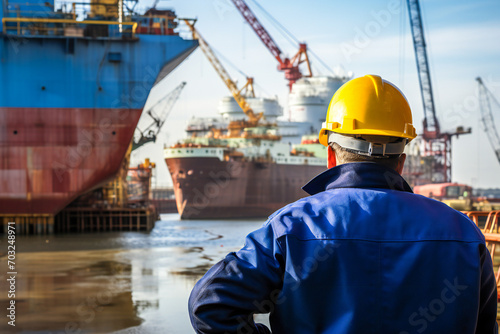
x=128, y=282
x=123, y=283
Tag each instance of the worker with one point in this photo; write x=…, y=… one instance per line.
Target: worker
x=362, y=254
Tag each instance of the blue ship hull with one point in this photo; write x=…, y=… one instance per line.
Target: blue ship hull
x=71, y=94
x=58, y=72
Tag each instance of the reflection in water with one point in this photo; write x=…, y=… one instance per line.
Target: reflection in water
x=131, y=282
x=214, y=236
x=197, y=271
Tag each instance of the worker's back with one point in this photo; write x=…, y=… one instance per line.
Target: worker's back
x=377, y=261
x=361, y=255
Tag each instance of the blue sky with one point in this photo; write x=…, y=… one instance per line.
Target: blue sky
x=362, y=37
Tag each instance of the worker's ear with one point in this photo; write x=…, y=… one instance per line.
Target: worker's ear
x=332, y=159
x=401, y=163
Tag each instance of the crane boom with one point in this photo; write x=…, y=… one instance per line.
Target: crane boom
x=487, y=117
x=431, y=124
x=148, y=134
x=170, y=99
x=221, y=71
x=289, y=66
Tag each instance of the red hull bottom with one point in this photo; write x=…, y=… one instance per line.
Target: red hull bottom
x=210, y=188
x=50, y=156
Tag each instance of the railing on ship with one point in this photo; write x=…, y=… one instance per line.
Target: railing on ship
x=98, y=21
x=64, y=27
x=491, y=234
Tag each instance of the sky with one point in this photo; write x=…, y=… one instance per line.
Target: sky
x=359, y=37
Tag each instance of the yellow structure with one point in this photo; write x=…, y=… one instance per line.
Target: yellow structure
x=104, y=8
x=115, y=192
x=253, y=118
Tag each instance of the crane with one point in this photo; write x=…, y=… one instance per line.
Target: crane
x=151, y=132
x=437, y=144
x=234, y=126
x=289, y=66
x=487, y=116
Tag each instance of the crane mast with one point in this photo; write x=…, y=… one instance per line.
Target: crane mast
x=437, y=144
x=431, y=124
x=487, y=117
x=253, y=119
x=289, y=66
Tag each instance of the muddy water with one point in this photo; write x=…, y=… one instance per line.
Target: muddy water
x=115, y=282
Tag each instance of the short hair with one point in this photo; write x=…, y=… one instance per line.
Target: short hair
x=344, y=155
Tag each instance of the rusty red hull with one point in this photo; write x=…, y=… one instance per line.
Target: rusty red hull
x=50, y=156
x=211, y=188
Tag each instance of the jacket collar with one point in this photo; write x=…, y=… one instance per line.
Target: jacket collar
x=357, y=175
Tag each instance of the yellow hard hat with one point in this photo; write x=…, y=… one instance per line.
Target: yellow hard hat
x=368, y=105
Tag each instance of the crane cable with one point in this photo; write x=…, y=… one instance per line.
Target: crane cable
x=231, y=64
x=221, y=56
x=486, y=113
x=289, y=36
x=492, y=96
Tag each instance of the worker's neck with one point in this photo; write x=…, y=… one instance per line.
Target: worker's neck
x=333, y=162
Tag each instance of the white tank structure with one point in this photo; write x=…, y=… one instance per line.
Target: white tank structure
x=290, y=131
x=309, y=99
x=231, y=111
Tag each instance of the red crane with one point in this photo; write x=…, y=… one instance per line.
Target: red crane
x=289, y=66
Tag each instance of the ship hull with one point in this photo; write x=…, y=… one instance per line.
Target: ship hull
x=68, y=109
x=49, y=156
x=208, y=188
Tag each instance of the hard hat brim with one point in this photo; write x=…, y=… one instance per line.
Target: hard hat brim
x=323, y=134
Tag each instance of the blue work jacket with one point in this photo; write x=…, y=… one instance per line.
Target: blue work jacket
x=362, y=254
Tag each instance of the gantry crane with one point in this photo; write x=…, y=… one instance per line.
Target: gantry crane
x=151, y=132
x=235, y=127
x=289, y=66
x=437, y=144
x=487, y=116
